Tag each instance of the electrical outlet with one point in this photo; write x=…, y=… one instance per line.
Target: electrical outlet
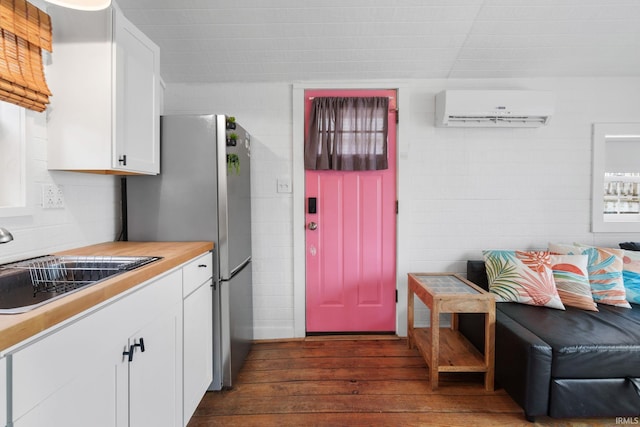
x=52, y=197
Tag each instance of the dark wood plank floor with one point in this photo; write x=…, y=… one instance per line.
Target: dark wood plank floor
x=356, y=381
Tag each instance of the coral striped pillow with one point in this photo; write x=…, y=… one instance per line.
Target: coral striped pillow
x=520, y=276
x=572, y=280
x=605, y=272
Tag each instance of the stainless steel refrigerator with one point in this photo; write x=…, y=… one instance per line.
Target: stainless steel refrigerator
x=203, y=192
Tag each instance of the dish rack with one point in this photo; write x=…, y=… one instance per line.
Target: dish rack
x=61, y=274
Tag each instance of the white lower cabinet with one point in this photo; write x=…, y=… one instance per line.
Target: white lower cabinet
x=155, y=375
x=198, y=332
x=198, y=348
x=80, y=374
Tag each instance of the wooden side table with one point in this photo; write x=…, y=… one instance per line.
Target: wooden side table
x=447, y=350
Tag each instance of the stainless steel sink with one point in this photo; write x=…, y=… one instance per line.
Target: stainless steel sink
x=25, y=285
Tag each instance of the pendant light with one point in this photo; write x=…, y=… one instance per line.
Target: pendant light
x=89, y=5
x=5, y=236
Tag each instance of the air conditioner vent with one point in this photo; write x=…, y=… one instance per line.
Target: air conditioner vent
x=493, y=108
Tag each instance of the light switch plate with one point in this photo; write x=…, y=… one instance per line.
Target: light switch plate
x=284, y=185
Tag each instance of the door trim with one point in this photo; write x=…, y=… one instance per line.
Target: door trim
x=299, y=245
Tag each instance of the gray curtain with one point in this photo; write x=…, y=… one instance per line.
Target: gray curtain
x=347, y=133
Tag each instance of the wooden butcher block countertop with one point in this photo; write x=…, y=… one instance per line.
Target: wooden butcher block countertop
x=15, y=328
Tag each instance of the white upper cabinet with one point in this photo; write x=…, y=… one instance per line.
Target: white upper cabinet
x=104, y=115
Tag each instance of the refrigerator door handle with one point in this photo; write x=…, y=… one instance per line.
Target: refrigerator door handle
x=236, y=270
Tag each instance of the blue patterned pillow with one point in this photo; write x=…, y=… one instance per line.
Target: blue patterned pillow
x=631, y=275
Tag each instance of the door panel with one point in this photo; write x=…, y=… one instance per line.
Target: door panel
x=350, y=256
x=369, y=193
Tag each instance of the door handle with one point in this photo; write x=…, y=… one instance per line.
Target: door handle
x=312, y=225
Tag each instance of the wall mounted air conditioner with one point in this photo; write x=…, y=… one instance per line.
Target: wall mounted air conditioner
x=493, y=108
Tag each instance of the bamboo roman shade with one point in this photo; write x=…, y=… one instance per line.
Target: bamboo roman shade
x=25, y=30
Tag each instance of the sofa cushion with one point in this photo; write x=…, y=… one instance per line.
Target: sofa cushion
x=586, y=344
x=477, y=273
x=602, y=397
x=523, y=277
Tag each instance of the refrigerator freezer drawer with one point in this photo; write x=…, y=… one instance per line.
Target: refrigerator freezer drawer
x=236, y=308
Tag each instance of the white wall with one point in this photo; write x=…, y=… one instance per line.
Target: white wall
x=460, y=190
x=91, y=213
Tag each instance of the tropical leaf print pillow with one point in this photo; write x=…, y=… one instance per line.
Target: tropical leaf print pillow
x=631, y=275
x=570, y=273
x=522, y=276
x=605, y=272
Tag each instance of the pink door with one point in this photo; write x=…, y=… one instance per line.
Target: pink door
x=351, y=240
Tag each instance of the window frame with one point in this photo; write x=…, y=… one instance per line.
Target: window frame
x=17, y=206
x=601, y=132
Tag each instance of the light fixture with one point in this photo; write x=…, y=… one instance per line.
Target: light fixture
x=5, y=236
x=89, y=5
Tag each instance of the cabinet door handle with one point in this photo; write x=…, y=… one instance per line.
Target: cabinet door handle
x=123, y=160
x=202, y=265
x=140, y=344
x=129, y=353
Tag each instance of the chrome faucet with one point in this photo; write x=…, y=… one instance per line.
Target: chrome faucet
x=5, y=235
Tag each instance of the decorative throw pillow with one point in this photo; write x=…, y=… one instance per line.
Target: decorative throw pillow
x=605, y=272
x=631, y=275
x=520, y=276
x=572, y=280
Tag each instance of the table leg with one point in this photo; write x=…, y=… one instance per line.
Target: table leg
x=489, y=348
x=435, y=346
x=410, y=300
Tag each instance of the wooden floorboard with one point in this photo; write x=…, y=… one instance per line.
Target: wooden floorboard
x=356, y=381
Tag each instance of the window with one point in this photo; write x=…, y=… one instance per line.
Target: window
x=347, y=133
x=12, y=158
x=616, y=177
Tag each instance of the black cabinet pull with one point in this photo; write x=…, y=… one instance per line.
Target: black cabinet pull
x=202, y=265
x=129, y=353
x=140, y=344
x=123, y=160
x=132, y=349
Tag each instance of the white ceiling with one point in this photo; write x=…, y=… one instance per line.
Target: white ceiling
x=294, y=40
